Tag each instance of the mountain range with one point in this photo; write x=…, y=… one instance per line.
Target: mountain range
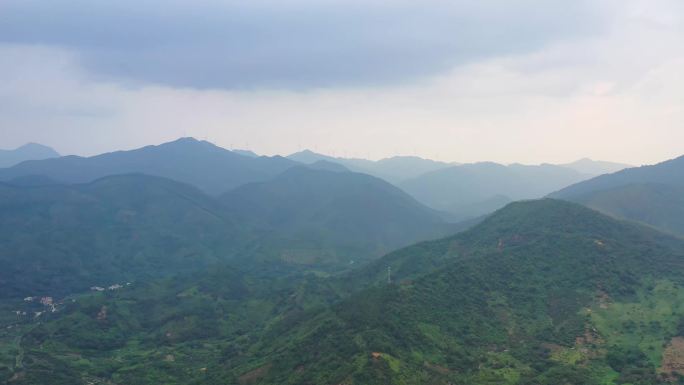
x=649, y=194
x=29, y=151
x=186, y=263
x=211, y=168
x=60, y=239
x=476, y=189
x=359, y=215
x=595, y=167
x=541, y=292
x=393, y=170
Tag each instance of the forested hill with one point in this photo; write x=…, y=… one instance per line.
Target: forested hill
x=353, y=217
x=650, y=194
x=542, y=292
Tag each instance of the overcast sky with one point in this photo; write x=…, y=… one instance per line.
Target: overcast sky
x=526, y=81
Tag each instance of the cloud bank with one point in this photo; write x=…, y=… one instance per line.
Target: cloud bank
x=601, y=79
x=289, y=44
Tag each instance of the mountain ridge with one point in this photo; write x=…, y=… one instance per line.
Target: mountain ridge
x=28, y=151
x=200, y=163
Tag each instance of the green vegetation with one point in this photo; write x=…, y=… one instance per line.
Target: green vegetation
x=60, y=239
x=542, y=292
x=332, y=218
x=57, y=240
x=658, y=205
x=653, y=195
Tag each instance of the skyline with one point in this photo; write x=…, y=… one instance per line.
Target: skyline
x=341, y=156
x=534, y=82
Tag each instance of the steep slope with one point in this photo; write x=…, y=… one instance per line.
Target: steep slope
x=595, y=167
x=213, y=169
x=247, y=153
x=29, y=151
x=60, y=239
x=541, y=292
x=464, y=188
x=337, y=215
x=670, y=172
x=658, y=205
x=649, y=194
x=394, y=170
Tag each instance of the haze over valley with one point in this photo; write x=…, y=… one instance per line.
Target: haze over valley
x=350, y=192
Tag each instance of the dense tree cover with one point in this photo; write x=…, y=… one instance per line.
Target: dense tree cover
x=357, y=215
x=650, y=194
x=656, y=204
x=58, y=239
x=542, y=292
x=55, y=240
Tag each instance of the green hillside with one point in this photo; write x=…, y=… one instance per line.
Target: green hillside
x=58, y=239
x=650, y=194
x=670, y=172
x=342, y=217
x=658, y=205
x=541, y=292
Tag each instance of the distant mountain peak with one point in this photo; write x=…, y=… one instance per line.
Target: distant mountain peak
x=28, y=151
x=595, y=167
x=186, y=139
x=328, y=166
x=30, y=145
x=197, y=162
x=248, y=153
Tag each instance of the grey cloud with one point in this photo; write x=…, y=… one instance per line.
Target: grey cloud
x=289, y=44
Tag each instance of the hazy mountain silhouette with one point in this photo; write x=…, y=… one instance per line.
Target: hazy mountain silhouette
x=60, y=239
x=248, y=153
x=595, y=167
x=350, y=216
x=393, y=170
x=202, y=164
x=479, y=188
x=669, y=172
x=327, y=165
x=650, y=194
x=29, y=151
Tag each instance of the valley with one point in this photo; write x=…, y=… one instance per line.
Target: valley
x=341, y=192
x=323, y=275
